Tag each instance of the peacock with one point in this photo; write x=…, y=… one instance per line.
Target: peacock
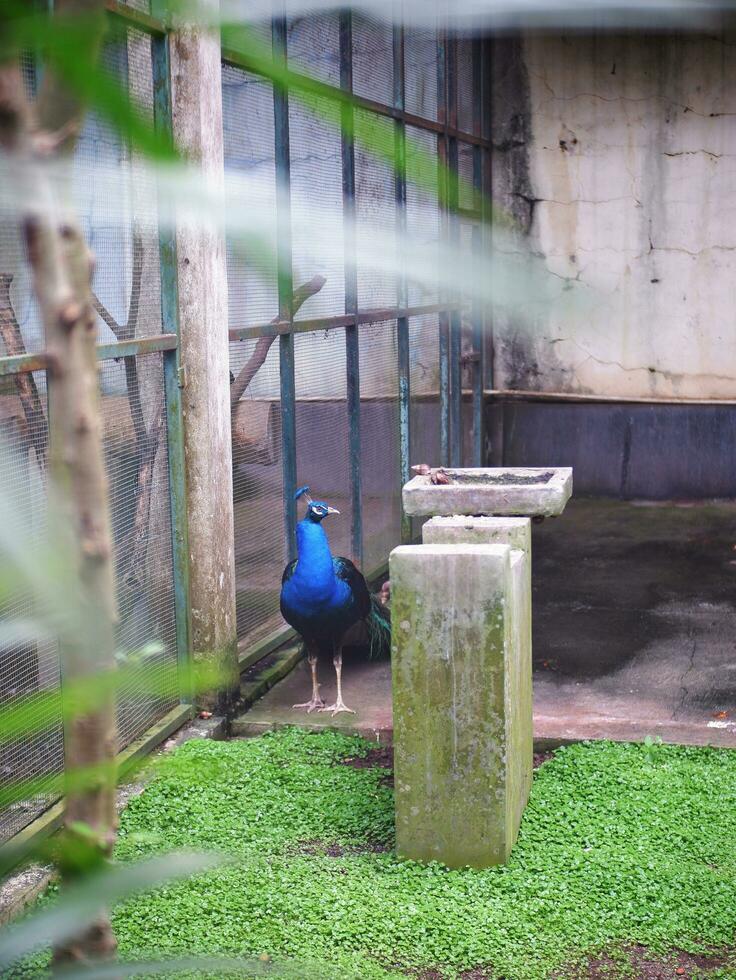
x=324, y=598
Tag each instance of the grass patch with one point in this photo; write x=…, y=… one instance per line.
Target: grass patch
x=620, y=845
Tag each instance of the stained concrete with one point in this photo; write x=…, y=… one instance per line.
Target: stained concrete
x=455, y=650
x=634, y=624
x=615, y=154
x=499, y=491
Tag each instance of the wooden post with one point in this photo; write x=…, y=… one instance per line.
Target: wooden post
x=196, y=87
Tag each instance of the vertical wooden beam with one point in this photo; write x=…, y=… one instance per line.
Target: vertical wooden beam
x=201, y=286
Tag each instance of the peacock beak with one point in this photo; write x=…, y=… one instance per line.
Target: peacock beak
x=332, y=510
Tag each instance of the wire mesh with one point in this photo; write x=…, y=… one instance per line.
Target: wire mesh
x=134, y=438
x=313, y=46
x=248, y=132
x=260, y=553
x=465, y=92
x=424, y=399
x=422, y=210
x=373, y=59
x=420, y=73
x=35, y=753
x=121, y=229
x=322, y=428
x=469, y=245
x=379, y=421
x=466, y=193
x=135, y=446
x=316, y=203
x=18, y=301
x=375, y=214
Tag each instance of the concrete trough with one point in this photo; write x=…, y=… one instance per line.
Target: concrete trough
x=502, y=491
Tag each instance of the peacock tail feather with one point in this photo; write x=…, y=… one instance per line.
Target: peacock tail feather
x=378, y=623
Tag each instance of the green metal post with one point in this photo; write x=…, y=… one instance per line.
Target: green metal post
x=402, y=323
x=286, y=289
x=173, y=375
x=352, y=331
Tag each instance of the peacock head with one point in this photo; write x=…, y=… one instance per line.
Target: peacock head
x=317, y=510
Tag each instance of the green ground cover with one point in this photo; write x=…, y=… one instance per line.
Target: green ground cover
x=619, y=844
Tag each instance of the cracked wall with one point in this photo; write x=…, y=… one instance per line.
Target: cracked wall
x=616, y=156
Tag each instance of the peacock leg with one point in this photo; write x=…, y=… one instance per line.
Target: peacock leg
x=315, y=702
x=339, y=704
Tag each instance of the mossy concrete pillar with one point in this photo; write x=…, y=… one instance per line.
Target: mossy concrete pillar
x=457, y=652
x=517, y=533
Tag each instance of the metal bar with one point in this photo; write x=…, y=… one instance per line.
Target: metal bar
x=297, y=81
x=486, y=225
x=136, y=18
x=352, y=333
x=450, y=377
x=285, y=288
x=281, y=327
x=456, y=434
x=476, y=316
x=402, y=323
x=442, y=193
x=23, y=363
x=141, y=345
x=173, y=382
x=477, y=367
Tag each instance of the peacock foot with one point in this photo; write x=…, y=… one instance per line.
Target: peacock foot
x=314, y=704
x=337, y=707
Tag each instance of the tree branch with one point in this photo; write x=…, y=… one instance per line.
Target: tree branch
x=263, y=345
x=61, y=267
x=25, y=383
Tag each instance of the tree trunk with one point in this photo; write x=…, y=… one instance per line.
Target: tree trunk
x=79, y=516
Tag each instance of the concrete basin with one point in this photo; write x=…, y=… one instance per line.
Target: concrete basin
x=501, y=491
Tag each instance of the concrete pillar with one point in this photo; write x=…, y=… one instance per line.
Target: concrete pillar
x=203, y=321
x=459, y=790
x=517, y=533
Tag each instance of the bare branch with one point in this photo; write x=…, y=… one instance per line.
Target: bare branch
x=263, y=345
x=25, y=383
x=61, y=267
x=108, y=318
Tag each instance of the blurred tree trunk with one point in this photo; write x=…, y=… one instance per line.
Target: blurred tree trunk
x=78, y=501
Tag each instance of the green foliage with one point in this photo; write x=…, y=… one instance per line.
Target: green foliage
x=619, y=843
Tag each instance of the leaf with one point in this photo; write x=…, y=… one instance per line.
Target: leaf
x=82, y=903
x=217, y=964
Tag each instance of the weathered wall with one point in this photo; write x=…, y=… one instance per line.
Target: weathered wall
x=616, y=155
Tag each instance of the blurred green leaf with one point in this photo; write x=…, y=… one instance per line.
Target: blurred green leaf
x=82, y=903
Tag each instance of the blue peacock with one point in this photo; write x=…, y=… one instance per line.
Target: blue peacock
x=324, y=598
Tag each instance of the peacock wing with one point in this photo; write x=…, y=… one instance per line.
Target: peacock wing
x=289, y=571
x=347, y=572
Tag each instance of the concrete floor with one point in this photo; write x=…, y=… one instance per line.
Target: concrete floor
x=633, y=632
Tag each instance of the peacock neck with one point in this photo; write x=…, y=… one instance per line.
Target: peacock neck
x=314, y=567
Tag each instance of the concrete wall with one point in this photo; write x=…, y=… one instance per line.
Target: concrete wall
x=616, y=155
